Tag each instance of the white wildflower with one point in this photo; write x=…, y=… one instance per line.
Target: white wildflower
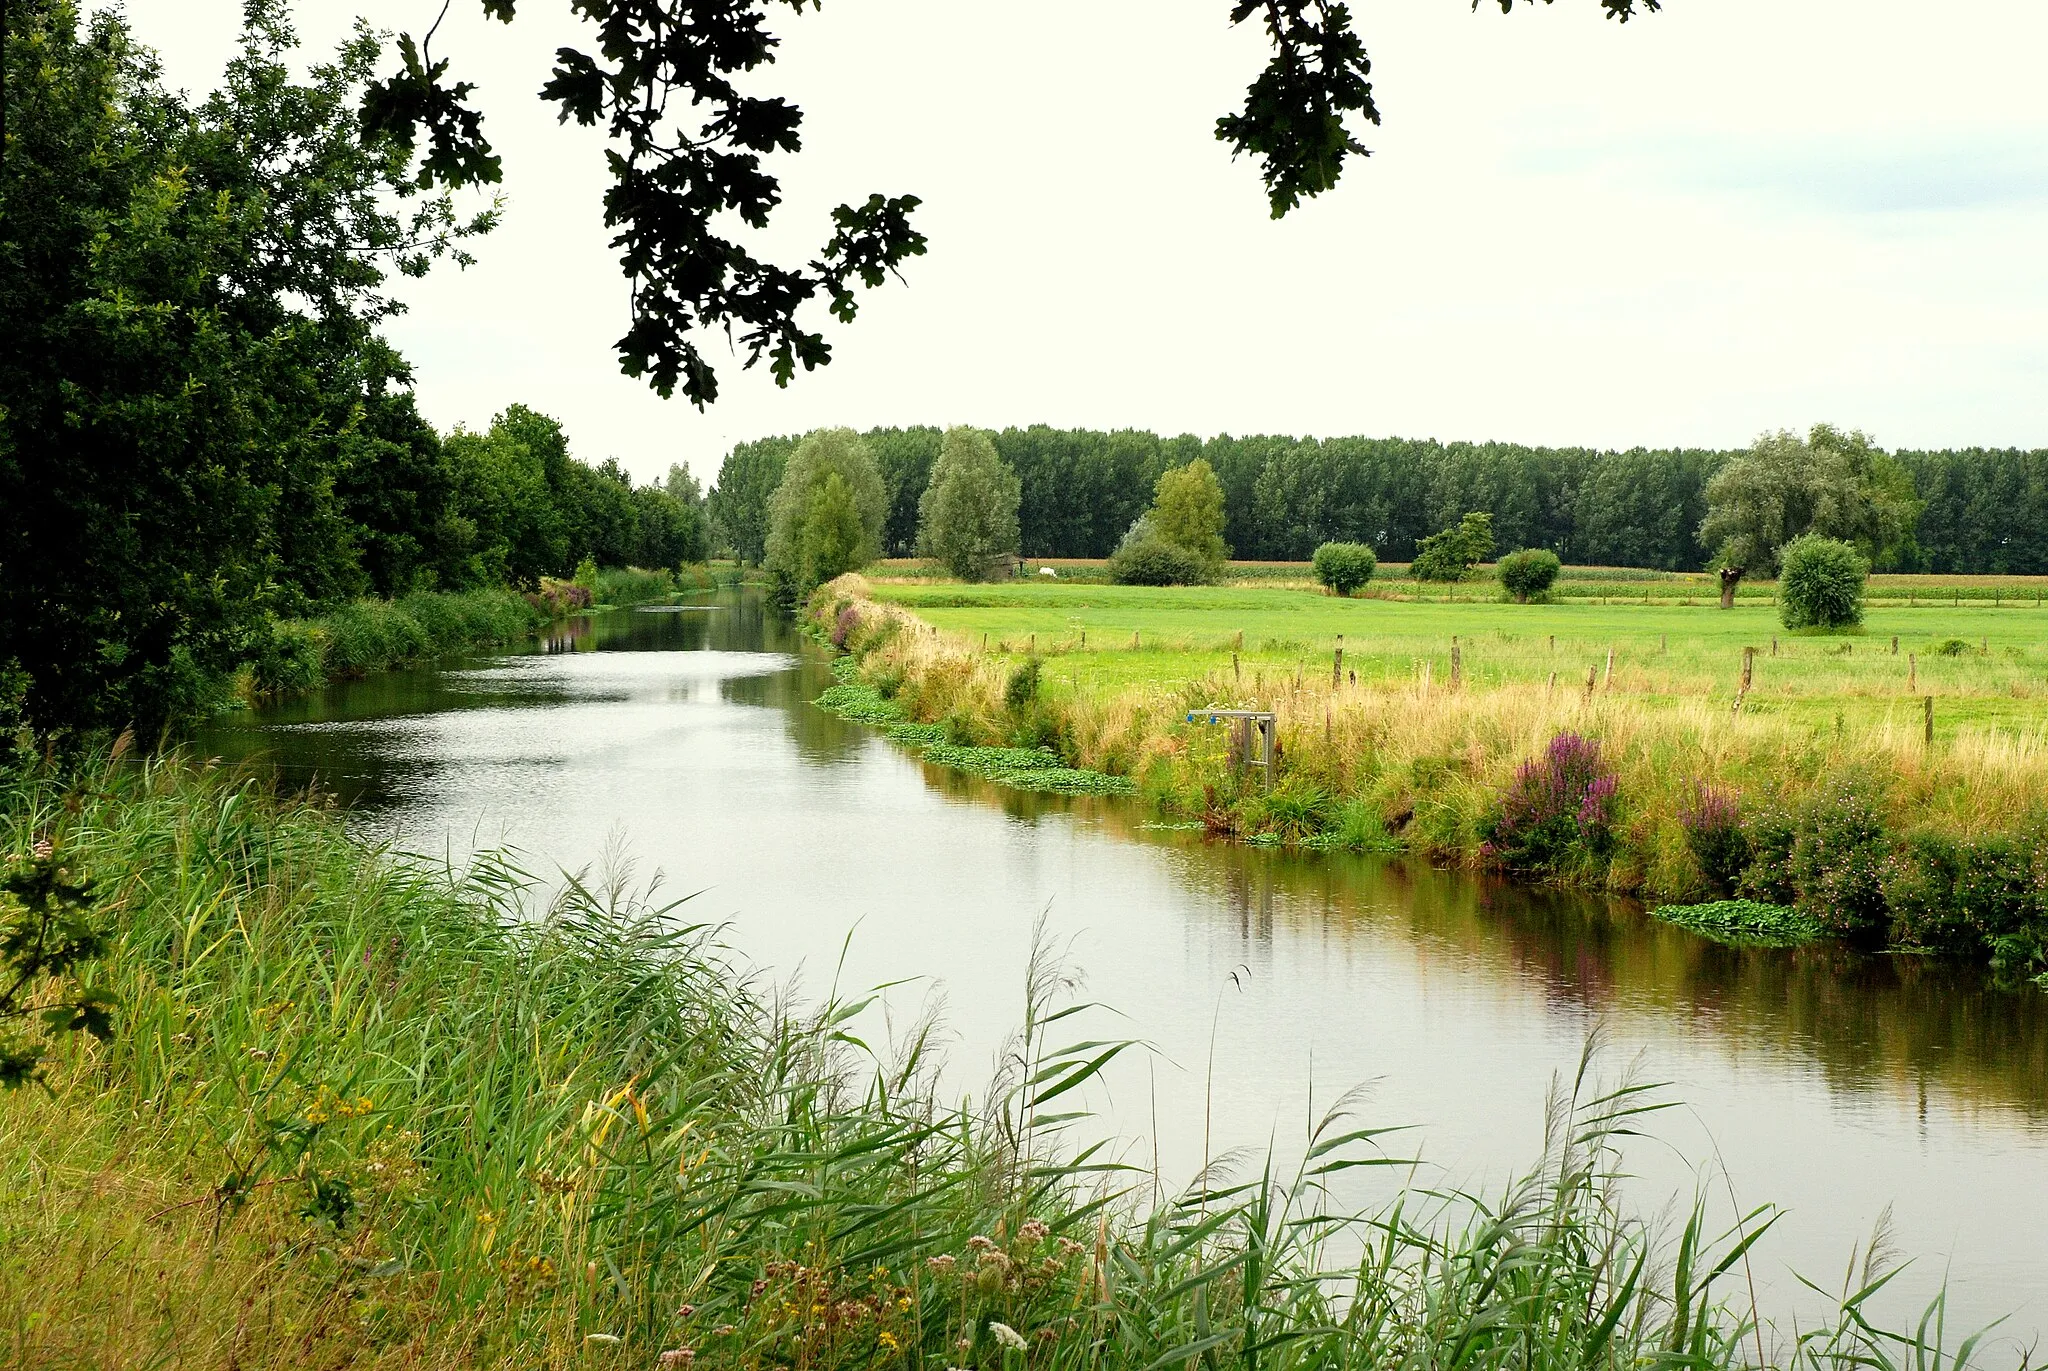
x=1007, y=1336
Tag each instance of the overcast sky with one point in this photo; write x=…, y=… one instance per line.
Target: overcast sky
x=1731, y=216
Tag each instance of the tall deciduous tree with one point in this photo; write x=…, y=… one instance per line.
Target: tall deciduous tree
x=739, y=502
x=1187, y=510
x=189, y=298
x=967, y=519
x=806, y=527
x=1829, y=483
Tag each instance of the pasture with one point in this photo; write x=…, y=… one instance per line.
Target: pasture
x=1985, y=662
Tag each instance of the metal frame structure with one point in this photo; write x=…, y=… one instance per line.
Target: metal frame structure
x=1253, y=736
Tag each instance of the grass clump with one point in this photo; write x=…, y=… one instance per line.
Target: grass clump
x=1743, y=923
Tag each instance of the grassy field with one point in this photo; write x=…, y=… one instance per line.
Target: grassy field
x=1985, y=666
x=357, y=1111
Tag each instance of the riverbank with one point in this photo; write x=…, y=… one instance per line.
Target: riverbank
x=1637, y=772
x=359, y=1111
x=369, y=635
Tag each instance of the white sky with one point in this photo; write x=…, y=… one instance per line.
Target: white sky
x=1731, y=216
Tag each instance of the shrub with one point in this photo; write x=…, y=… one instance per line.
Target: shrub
x=1449, y=555
x=1821, y=585
x=1838, y=858
x=1528, y=574
x=1559, y=807
x=1022, y=687
x=1344, y=567
x=289, y=659
x=1975, y=896
x=1713, y=832
x=1149, y=560
x=1187, y=510
x=1768, y=877
x=1949, y=647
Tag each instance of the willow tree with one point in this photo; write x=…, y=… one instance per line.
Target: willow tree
x=825, y=518
x=967, y=517
x=1829, y=483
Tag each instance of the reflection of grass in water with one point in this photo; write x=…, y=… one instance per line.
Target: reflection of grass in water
x=1021, y=768
x=1742, y=923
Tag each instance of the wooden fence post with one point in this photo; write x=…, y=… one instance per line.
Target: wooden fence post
x=1748, y=667
x=1236, y=671
x=1927, y=706
x=1912, y=672
x=1134, y=640
x=1337, y=664
x=1607, y=681
x=1895, y=645
x=1457, y=664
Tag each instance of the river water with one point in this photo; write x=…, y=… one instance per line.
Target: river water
x=683, y=746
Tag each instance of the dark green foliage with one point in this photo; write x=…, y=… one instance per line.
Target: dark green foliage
x=739, y=502
x=1147, y=559
x=1821, y=585
x=1344, y=567
x=193, y=392
x=905, y=457
x=1973, y=896
x=1528, y=575
x=372, y=635
x=1742, y=923
x=1448, y=556
x=47, y=935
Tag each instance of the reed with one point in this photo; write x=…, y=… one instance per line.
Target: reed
x=359, y=1110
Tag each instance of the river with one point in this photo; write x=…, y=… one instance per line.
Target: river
x=682, y=746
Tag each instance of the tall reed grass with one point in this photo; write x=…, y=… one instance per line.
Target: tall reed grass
x=363, y=1111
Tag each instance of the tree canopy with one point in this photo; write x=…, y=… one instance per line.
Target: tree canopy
x=687, y=148
x=1829, y=483
x=826, y=515
x=968, y=513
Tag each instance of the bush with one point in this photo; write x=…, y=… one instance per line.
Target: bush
x=289, y=659
x=1449, y=555
x=1821, y=585
x=1713, y=832
x=844, y=624
x=1149, y=560
x=1528, y=574
x=1838, y=859
x=1976, y=896
x=1344, y=567
x=1022, y=687
x=1560, y=807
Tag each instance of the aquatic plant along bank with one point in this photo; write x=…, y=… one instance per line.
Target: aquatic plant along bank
x=1631, y=780
x=359, y=1110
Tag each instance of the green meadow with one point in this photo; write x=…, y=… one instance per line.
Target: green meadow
x=1985, y=665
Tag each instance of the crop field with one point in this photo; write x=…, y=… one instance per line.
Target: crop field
x=1985, y=662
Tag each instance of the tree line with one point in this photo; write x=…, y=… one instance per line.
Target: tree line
x=1979, y=511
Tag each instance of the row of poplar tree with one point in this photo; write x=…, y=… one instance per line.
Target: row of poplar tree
x=1979, y=511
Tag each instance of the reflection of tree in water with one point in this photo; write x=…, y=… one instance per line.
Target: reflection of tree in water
x=1896, y=1026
